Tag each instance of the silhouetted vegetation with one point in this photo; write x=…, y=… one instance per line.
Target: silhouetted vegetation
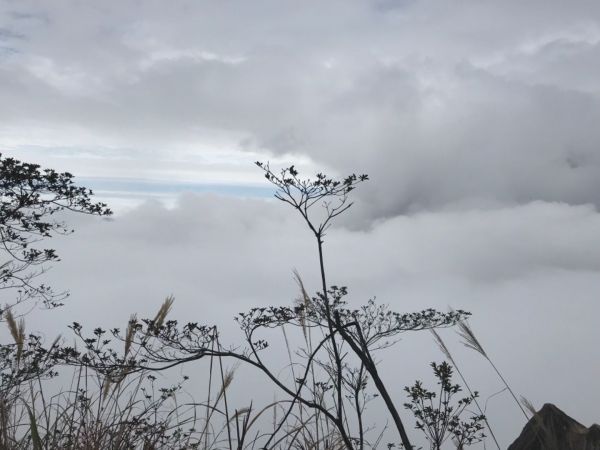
x=114, y=398
x=438, y=417
x=31, y=199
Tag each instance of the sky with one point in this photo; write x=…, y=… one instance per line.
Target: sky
x=477, y=122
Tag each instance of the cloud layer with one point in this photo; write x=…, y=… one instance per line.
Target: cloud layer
x=528, y=274
x=441, y=105
x=476, y=121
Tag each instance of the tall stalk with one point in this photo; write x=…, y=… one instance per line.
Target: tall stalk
x=472, y=342
x=302, y=195
x=448, y=355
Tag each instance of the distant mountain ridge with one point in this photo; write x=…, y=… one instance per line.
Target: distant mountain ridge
x=552, y=429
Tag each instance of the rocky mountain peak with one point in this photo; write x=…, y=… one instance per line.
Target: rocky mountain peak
x=552, y=429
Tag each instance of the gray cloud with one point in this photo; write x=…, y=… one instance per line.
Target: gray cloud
x=440, y=105
x=528, y=274
x=476, y=121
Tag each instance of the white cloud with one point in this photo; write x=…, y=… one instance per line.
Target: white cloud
x=477, y=123
x=402, y=93
x=528, y=274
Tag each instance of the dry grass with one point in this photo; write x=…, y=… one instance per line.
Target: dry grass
x=133, y=411
x=17, y=331
x=471, y=341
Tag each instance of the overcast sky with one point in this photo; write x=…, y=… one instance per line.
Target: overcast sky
x=477, y=121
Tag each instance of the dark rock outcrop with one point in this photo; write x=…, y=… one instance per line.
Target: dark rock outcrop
x=552, y=429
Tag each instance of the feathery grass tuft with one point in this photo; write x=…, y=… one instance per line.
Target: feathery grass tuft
x=17, y=331
x=226, y=382
x=304, y=301
x=442, y=346
x=470, y=341
x=528, y=406
x=164, y=310
x=130, y=333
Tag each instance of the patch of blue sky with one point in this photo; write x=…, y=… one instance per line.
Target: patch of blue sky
x=124, y=187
